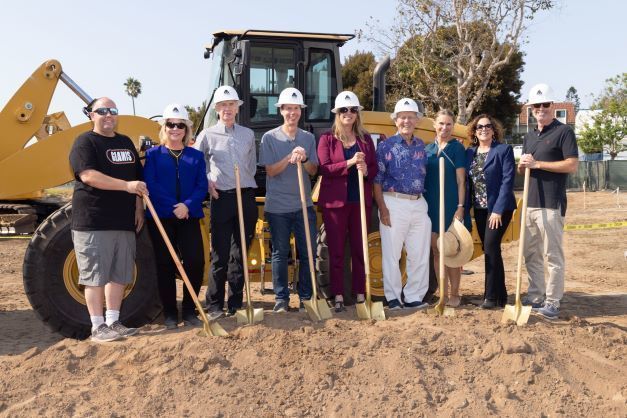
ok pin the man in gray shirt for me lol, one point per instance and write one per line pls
(224, 145)
(280, 151)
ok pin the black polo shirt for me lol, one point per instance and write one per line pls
(556, 142)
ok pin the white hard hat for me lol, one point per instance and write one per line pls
(175, 111)
(224, 93)
(290, 95)
(540, 93)
(346, 99)
(406, 105)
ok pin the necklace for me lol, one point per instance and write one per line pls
(176, 153)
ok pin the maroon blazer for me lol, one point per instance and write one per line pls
(333, 190)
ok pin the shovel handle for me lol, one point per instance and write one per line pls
(175, 257)
(521, 238)
(242, 235)
(303, 203)
(441, 229)
(364, 234)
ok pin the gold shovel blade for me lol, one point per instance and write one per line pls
(441, 309)
(212, 329)
(249, 316)
(517, 313)
(318, 310)
(374, 311)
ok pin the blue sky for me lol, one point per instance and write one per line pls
(101, 43)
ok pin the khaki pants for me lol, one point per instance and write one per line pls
(545, 229)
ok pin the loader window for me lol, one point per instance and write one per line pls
(319, 96)
(272, 69)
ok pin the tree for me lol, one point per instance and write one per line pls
(196, 114)
(501, 95)
(463, 55)
(573, 97)
(133, 88)
(357, 73)
(608, 129)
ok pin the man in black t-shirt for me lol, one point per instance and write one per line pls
(550, 151)
(107, 210)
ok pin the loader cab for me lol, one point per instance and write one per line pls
(260, 64)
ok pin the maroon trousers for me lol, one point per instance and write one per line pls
(340, 222)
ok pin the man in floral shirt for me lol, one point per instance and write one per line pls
(398, 189)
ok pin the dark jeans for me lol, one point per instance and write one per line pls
(226, 248)
(491, 241)
(186, 239)
(282, 225)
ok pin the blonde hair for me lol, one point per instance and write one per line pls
(163, 137)
(358, 129)
(445, 112)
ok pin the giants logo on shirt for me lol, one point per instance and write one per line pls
(120, 156)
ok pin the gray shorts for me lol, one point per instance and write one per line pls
(104, 256)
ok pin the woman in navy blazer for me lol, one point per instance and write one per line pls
(490, 166)
(177, 181)
(341, 152)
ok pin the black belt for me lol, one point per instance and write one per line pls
(231, 191)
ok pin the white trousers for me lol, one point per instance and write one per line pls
(543, 239)
(411, 227)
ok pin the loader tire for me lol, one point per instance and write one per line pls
(51, 280)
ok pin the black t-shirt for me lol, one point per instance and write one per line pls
(556, 142)
(96, 209)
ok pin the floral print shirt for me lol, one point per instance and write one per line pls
(402, 166)
(477, 176)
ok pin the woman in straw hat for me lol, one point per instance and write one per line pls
(491, 169)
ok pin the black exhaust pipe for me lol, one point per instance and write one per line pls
(378, 84)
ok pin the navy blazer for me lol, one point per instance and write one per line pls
(334, 171)
(499, 170)
(160, 177)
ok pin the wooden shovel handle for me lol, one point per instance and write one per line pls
(303, 203)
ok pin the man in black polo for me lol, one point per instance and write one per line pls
(550, 151)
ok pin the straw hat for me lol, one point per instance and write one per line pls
(458, 245)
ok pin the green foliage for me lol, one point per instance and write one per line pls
(133, 88)
(573, 97)
(196, 114)
(608, 129)
(357, 73)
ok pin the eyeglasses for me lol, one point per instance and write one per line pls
(539, 105)
(172, 125)
(486, 126)
(104, 110)
(343, 110)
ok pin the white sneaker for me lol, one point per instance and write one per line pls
(104, 334)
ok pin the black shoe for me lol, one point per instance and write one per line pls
(339, 306)
(231, 312)
(171, 322)
(394, 305)
(191, 319)
(488, 304)
(416, 305)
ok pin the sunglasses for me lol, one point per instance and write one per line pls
(104, 110)
(348, 109)
(172, 125)
(539, 105)
(486, 126)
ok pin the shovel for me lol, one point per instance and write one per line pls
(441, 308)
(208, 328)
(367, 309)
(248, 315)
(317, 310)
(517, 312)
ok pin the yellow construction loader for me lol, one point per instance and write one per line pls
(34, 149)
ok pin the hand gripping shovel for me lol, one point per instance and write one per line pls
(248, 315)
(441, 308)
(517, 312)
(209, 328)
(317, 310)
(367, 309)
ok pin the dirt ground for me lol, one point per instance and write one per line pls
(412, 364)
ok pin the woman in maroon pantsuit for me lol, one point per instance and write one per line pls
(341, 152)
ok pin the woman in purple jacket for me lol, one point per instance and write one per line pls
(341, 152)
(490, 166)
(177, 181)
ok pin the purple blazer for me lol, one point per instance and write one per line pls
(333, 189)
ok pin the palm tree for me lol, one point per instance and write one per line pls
(133, 89)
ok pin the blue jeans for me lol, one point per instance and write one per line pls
(281, 227)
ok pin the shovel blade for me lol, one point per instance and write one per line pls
(441, 310)
(249, 316)
(318, 310)
(362, 311)
(517, 313)
(212, 329)
(374, 311)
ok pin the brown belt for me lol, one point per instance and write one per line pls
(404, 196)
